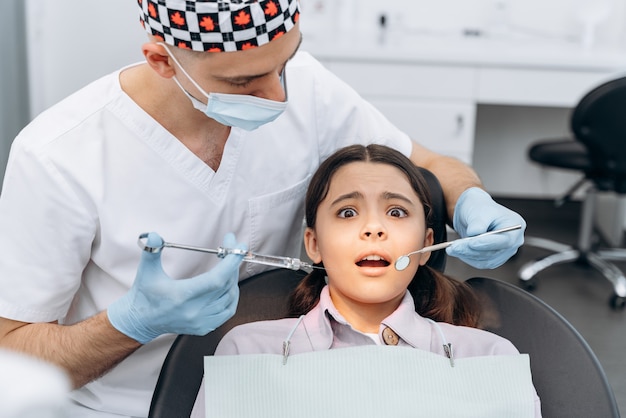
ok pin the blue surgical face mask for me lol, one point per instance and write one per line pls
(238, 110)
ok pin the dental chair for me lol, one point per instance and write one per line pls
(566, 373)
(261, 297)
(598, 151)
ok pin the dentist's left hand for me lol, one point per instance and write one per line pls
(157, 304)
(476, 213)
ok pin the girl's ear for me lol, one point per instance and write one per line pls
(311, 246)
(428, 240)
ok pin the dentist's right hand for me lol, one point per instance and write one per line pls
(157, 304)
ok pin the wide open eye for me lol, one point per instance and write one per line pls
(397, 212)
(347, 213)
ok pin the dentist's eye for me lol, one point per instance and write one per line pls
(347, 213)
(397, 212)
(242, 85)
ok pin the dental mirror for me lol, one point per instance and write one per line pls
(404, 260)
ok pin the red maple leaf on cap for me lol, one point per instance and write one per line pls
(177, 19)
(207, 23)
(278, 35)
(152, 10)
(247, 45)
(183, 45)
(242, 19)
(271, 9)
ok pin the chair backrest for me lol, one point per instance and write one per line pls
(567, 375)
(598, 122)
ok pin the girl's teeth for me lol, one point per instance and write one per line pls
(373, 258)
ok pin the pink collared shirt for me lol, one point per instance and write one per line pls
(323, 328)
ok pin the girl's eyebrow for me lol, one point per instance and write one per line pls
(391, 195)
(347, 196)
(385, 196)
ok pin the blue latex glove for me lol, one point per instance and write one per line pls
(157, 304)
(475, 213)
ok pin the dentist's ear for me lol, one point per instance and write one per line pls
(158, 59)
(311, 246)
(429, 238)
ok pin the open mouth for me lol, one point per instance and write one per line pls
(373, 261)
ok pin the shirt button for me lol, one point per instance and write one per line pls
(390, 337)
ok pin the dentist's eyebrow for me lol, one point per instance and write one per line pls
(242, 79)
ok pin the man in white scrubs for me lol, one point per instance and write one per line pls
(217, 132)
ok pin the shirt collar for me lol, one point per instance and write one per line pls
(412, 328)
(327, 328)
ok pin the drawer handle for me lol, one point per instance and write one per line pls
(460, 124)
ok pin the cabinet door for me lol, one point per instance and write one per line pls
(433, 104)
(446, 127)
(407, 81)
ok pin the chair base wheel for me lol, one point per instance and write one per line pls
(617, 302)
(528, 285)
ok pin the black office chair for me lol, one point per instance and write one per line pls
(261, 297)
(567, 375)
(598, 150)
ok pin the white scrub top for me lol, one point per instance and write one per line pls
(93, 172)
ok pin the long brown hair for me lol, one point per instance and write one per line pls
(436, 295)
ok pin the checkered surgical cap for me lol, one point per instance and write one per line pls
(218, 25)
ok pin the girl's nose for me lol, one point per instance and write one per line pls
(374, 228)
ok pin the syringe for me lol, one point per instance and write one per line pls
(249, 257)
(277, 261)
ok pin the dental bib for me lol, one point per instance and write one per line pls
(368, 381)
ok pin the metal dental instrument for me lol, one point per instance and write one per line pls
(403, 261)
(221, 252)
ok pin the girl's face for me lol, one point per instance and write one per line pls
(370, 217)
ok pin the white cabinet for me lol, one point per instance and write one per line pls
(437, 91)
(433, 104)
(444, 127)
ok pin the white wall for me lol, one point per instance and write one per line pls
(557, 19)
(13, 81)
(73, 42)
